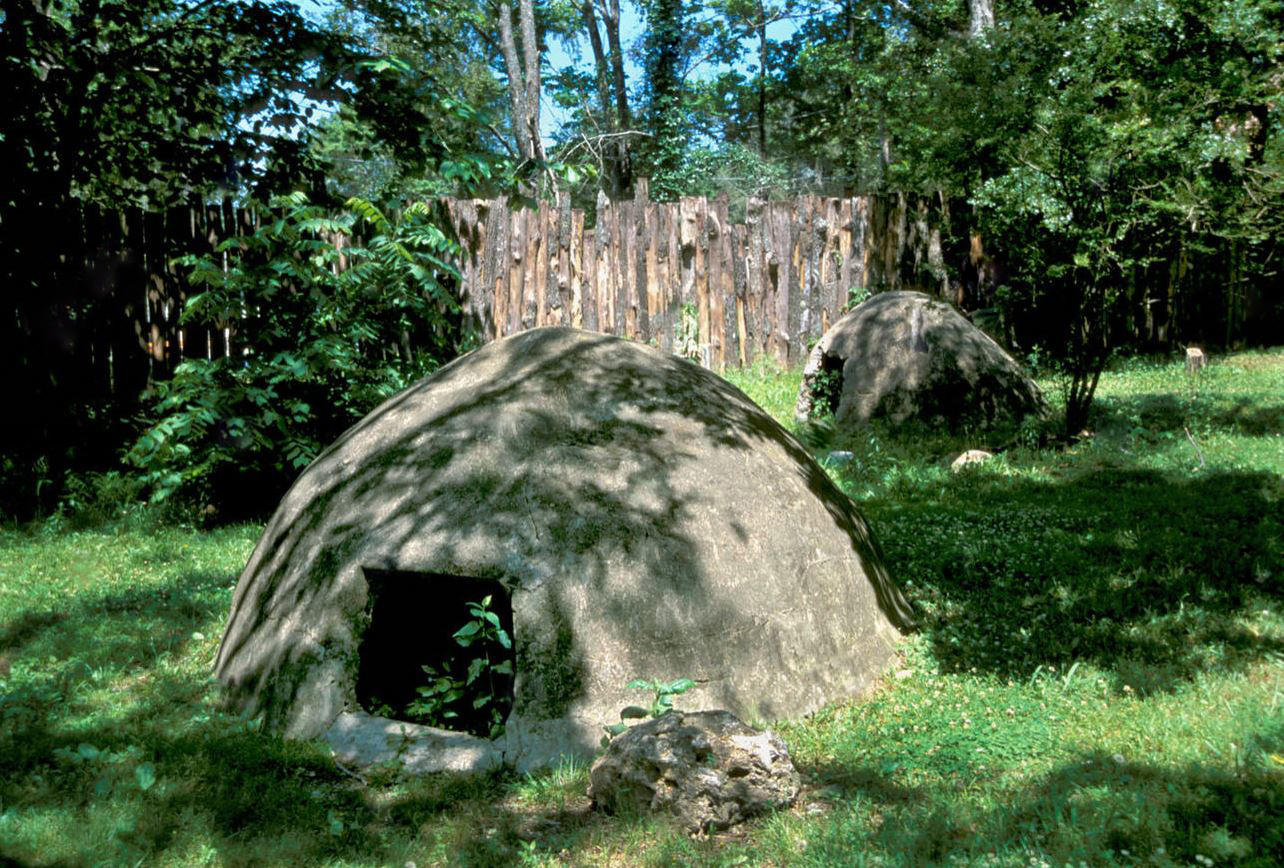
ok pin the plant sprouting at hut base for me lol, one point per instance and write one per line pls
(661, 703)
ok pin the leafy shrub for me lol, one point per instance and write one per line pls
(855, 295)
(93, 499)
(733, 169)
(826, 390)
(322, 327)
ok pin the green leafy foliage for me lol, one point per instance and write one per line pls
(1120, 140)
(731, 169)
(324, 326)
(476, 687)
(143, 101)
(115, 104)
(113, 770)
(662, 693)
(826, 390)
(669, 42)
(855, 295)
(421, 122)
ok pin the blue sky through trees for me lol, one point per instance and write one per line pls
(563, 54)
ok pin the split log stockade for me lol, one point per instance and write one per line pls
(768, 286)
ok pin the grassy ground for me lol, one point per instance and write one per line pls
(1098, 678)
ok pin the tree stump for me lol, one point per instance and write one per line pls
(1195, 360)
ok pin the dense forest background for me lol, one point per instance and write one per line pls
(1113, 170)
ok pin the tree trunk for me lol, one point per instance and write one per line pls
(530, 52)
(516, 81)
(982, 17)
(623, 116)
(523, 81)
(762, 79)
(599, 59)
(612, 95)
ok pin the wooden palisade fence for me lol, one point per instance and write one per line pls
(763, 287)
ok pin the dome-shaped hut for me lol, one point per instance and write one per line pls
(904, 357)
(629, 514)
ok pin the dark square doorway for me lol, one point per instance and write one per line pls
(413, 621)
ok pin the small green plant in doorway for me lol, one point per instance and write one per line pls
(471, 688)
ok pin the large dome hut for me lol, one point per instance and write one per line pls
(629, 515)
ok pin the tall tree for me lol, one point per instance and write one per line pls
(440, 98)
(523, 78)
(613, 93)
(760, 28)
(739, 35)
(1141, 148)
(667, 46)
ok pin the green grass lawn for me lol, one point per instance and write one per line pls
(1098, 677)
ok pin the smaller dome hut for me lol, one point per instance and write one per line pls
(906, 358)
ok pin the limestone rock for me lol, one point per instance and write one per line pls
(969, 458)
(707, 768)
(630, 512)
(904, 357)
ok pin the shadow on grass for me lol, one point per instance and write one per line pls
(251, 796)
(1145, 575)
(27, 626)
(98, 635)
(1168, 412)
(1092, 809)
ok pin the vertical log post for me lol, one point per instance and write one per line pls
(711, 316)
(564, 307)
(577, 269)
(640, 236)
(755, 229)
(726, 289)
(740, 241)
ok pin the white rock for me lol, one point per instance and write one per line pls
(970, 457)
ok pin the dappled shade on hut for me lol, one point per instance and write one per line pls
(644, 518)
(904, 358)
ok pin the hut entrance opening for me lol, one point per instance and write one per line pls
(435, 651)
(827, 388)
